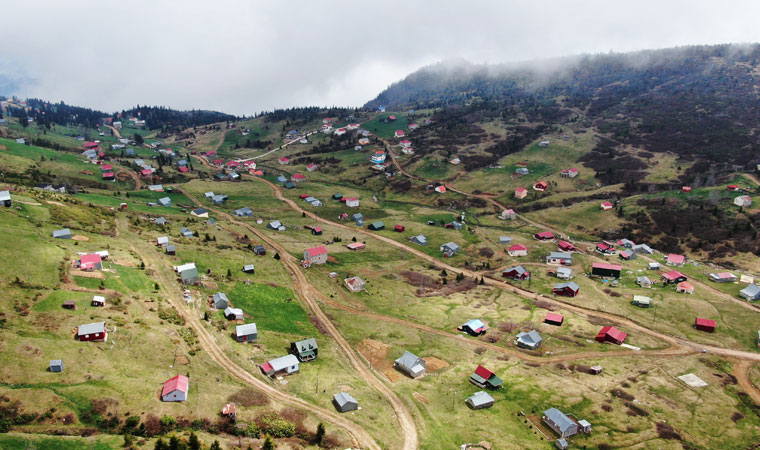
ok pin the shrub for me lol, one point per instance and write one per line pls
(274, 425)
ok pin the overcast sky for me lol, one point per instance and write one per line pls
(247, 56)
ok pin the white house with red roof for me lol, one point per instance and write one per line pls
(518, 250)
(283, 160)
(298, 177)
(340, 131)
(569, 173)
(405, 143)
(251, 164)
(90, 262)
(399, 133)
(606, 206)
(352, 202)
(675, 260)
(540, 186)
(352, 126)
(413, 126)
(378, 157)
(312, 167)
(316, 255)
(326, 120)
(175, 389)
(521, 192)
(440, 189)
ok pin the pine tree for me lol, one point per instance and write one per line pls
(268, 444)
(320, 433)
(277, 256)
(160, 445)
(193, 443)
(215, 446)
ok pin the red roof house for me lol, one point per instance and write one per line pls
(604, 247)
(283, 160)
(566, 246)
(108, 176)
(685, 287)
(399, 133)
(674, 276)
(297, 177)
(611, 334)
(218, 162)
(303, 196)
(733, 187)
(554, 319)
(606, 205)
(233, 164)
(544, 236)
(540, 186)
(518, 250)
(704, 324)
(356, 246)
(146, 172)
(675, 260)
(90, 262)
(399, 228)
(184, 169)
(175, 389)
(106, 168)
(91, 145)
(686, 189)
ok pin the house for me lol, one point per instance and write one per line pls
(484, 378)
(283, 160)
(410, 364)
(98, 300)
(606, 270)
(641, 301)
(530, 340)
(455, 161)
(95, 332)
(653, 266)
(233, 313)
(161, 221)
(354, 284)
(175, 389)
(90, 262)
(675, 260)
(686, 189)
(284, 365)
(561, 444)
(743, 201)
(505, 240)
(62, 234)
(249, 268)
(625, 243)
(541, 186)
(378, 157)
(560, 423)
(344, 402)
(733, 187)
(221, 301)
(685, 287)
(420, 239)
(521, 192)
(522, 171)
(186, 232)
(704, 324)
(508, 214)
(543, 144)
(352, 202)
(356, 246)
(200, 212)
(399, 134)
(611, 334)
(259, 250)
(190, 276)
(642, 249)
(554, 319)
(440, 189)
(244, 212)
(566, 246)
(627, 255)
(454, 225)
(605, 248)
(516, 273)
(56, 365)
(517, 250)
(297, 178)
(644, 282)
(312, 167)
(316, 255)
(229, 411)
(376, 226)
(399, 228)
(305, 350)
(479, 400)
(171, 250)
(449, 249)
(751, 292)
(219, 199)
(108, 176)
(316, 231)
(69, 304)
(564, 273)
(544, 236)
(474, 327)
(165, 201)
(674, 276)
(281, 179)
(276, 225)
(561, 258)
(723, 277)
(246, 333)
(569, 289)
(569, 173)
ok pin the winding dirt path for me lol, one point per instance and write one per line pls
(115, 131)
(207, 341)
(133, 175)
(741, 372)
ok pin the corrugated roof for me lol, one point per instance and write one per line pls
(91, 328)
(245, 330)
(178, 383)
(559, 419)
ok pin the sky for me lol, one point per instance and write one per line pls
(243, 57)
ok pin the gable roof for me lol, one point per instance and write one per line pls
(306, 345)
(245, 330)
(559, 418)
(613, 333)
(676, 259)
(408, 360)
(554, 317)
(282, 362)
(530, 337)
(314, 251)
(475, 325)
(598, 265)
(91, 328)
(673, 275)
(178, 383)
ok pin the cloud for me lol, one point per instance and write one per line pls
(244, 56)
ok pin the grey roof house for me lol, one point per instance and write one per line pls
(165, 201)
(56, 365)
(233, 313)
(419, 239)
(62, 234)
(186, 232)
(449, 249)
(410, 364)
(479, 400)
(530, 340)
(305, 350)
(246, 333)
(344, 402)
(560, 423)
(190, 276)
(244, 212)
(221, 301)
(505, 240)
(751, 292)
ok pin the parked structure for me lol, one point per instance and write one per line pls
(606, 270)
(233, 313)
(561, 258)
(355, 284)
(56, 365)
(516, 273)
(560, 423)
(221, 301)
(95, 332)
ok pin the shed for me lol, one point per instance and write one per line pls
(723, 277)
(515, 273)
(561, 444)
(449, 249)
(611, 334)
(233, 313)
(644, 281)
(165, 201)
(561, 258)
(399, 228)
(356, 246)
(564, 273)
(641, 301)
(653, 266)
(569, 289)
(5, 198)
(221, 301)
(484, 378)
(642, 249)
(344, 402)
(530, 340)
(244, 212)
(160, 221)
(376, 226)
(92, 332)
(171, 250)
(162, 241)
(62, 234)
(560, 423)
(190, 276)
(276, 225)
(479, 400)
(249, 268)
(554, 319)
(305, 350)
(474, 327)
(505, 240)
(685, 287)
(704, 324)
(284, 365)
(176, 389)
(410, 364)
(69, 304)
(595, 370)
(355, 284)
(56, 365)
(606, 270)
(246, 333)
(751, 292)
(98, 300)
(420, 239)
(259, 250)
(186, 232)
(544, 236)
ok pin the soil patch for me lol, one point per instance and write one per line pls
(376, 353)
(85, 274)
(51, 202)
(345, 388)
(125, 263)
(420, 398)
(210, 284)
(433, 364)
(77, 237)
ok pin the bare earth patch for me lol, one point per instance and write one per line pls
(52, 202)
(85, 274)
(77, 237)
(420, 398)
(345, 388)
(376, 353)
(125, 263)
(433, 364)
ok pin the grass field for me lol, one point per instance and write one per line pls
(384, 129)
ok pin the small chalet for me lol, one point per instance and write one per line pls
(674, 276)
(316, 231)
(544, 236)
(686, 189)
(751, 292)
(344, 402)
(611, 334)
(564, 273)
(704, 324)
(376, 226)
(62, 234)
(399, 228)
(95, 332)
(733, 187)
(505, 240)
(5, 199)
(259, 250)
(244, 212)
(449, 249)
(276, 225)
(246, 333)
(743, 201)
(723, 277)
(352, 202)
(606, 270)
(541, 186)
(284, 365)
(171, 250)
(249, 268)
(229, 411)
(190, 276)
(675, 260)
(312, 167)
(440, 189)
(399, 134)
(605, 248)
(517, 250)
(554, 319)
(175, 389)
(508, 214)
(606, 206)
(516, 273)
(233, 313)
(90, 262)
(561, 258)
(484, 378)
(530, 340)
(419, 239)
(685, 287)
(305, 350)
(410, 364)
(98, 300)
(479, 400)
(297, 178)
(566, 246)
(283, 160)
(521, 192)
(186, 232)
(355, 284)
(221, 301)
(627, 255)
(316, 255)
(474, 327)
(56, 365)
(653, 266)
(641, 301)
(625, 243)
(644, 281)
(569, 173)
(569, 289)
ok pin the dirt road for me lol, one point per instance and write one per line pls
(133, 175)
(173, 294)
(741, 372)
(116, 133)
(308, 294)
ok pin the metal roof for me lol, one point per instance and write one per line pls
(479, 398)
(283, 362)
(245, 330)
(530, 338)
(559, 419)
(91, 328)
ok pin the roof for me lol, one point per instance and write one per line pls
(705, 322)
(480, 398)
(342, 398)
(189, 274)
(597, 265)
(178, 383)
(475, 324)
(685, 286)
(613, 333)
(560, 255)
(184, 267)
(570, 285)
(676, 259)
(200, 211)
(673, 275)
(63, 232)
(483, 372)
(314, 251)
(306, 345)
(519, 269)
(354, 282)
(92, 258)
(546, 234)
(559, 419)
(245, 330)
(91, 328)
(530, 337)
(407, 360)
(751, 290)
(517, 247)
(554, 317)
(451, 246)
(283, 362)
